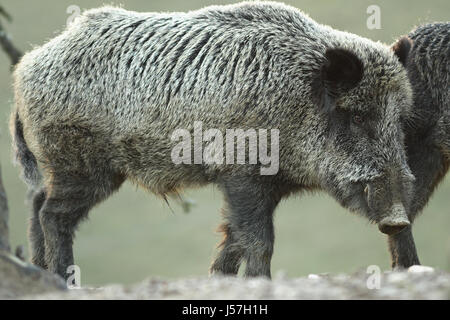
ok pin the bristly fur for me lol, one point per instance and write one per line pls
(99, 103)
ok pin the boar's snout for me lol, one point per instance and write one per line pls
(388, 198)
(396, 221)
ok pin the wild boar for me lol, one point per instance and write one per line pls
(100, 103)
(427, 129)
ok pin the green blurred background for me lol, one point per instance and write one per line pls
(134, 235)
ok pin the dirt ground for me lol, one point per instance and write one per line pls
(415, 283)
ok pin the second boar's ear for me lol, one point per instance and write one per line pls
(341, 71)
(401, 49)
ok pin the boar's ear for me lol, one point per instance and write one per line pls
(341, 71)
(401, 49)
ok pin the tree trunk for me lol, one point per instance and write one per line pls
(4, 231)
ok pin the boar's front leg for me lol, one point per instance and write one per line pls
(249, 234)
(403, 250)
(429, 166)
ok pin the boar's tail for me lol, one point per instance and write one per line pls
(24, 156)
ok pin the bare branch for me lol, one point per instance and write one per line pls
(5, 14)
(13, 53)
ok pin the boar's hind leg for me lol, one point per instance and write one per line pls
(249, 233)
(36, 236)
(230, 257)
(69, 201)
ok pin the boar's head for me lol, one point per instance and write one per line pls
(363, 96)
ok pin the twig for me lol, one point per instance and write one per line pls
(13, 53)
(5, 14)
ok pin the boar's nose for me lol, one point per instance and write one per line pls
(395, 222)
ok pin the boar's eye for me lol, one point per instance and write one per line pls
(357, 119)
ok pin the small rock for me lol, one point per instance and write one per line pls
(281, 275)
(420, 269)
(397, 277)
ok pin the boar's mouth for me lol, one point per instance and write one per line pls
(355, 199)
(390, 216)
